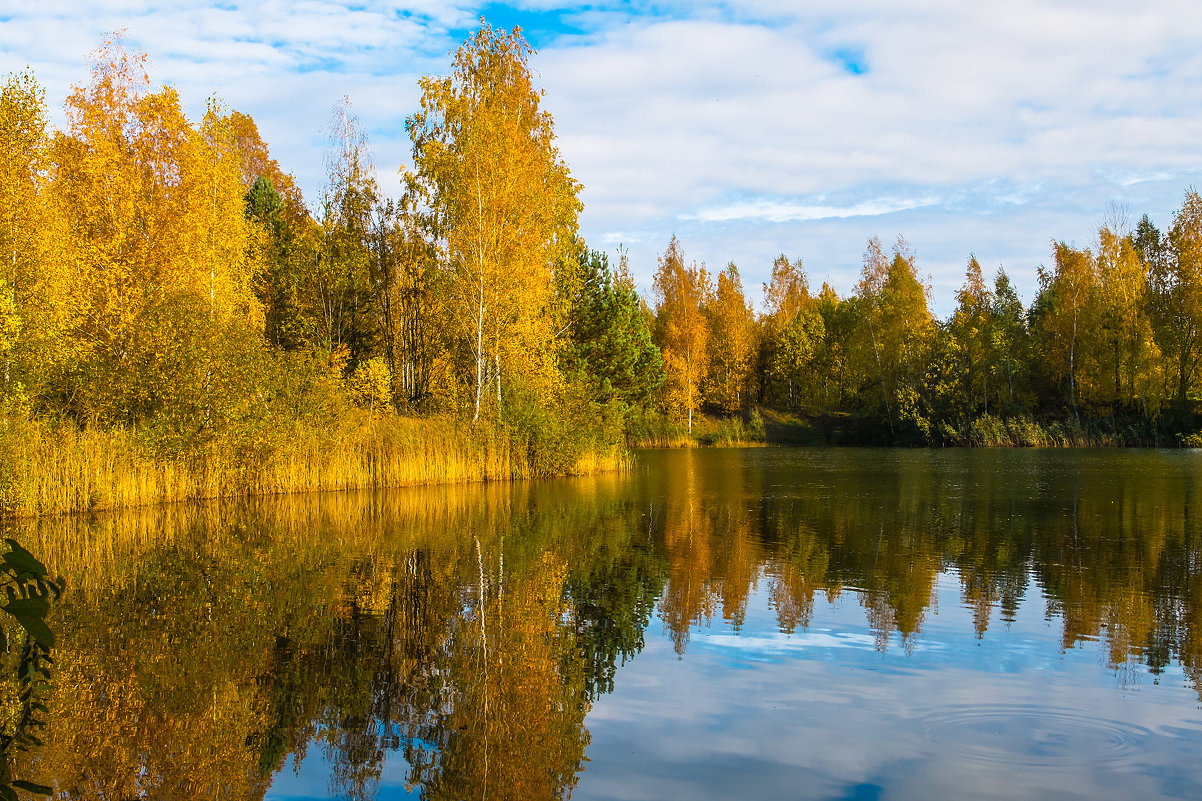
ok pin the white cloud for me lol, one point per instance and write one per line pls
(739, 127)
(665, 121)
(764, 646)
(778, 212)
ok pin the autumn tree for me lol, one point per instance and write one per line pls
(286, 239)
(681, 328)
(159, 240)
(1063, 315)
(256, 162)
(1131, 355)
(502, 207)
(348, 327)
(874, 270)
(792, 334)
(897, 331)
(971, 329)
(732, 348)
(908, 332)
(832, 361)
(36, 291)
(1176, 296)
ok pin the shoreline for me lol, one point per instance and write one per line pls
(56, 468)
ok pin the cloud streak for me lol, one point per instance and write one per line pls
(779, 212)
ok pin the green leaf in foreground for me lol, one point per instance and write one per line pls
(22, 560)
(30, 787)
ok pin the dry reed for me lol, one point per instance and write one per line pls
(51, 468)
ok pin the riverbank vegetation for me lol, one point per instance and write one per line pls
(178, 321)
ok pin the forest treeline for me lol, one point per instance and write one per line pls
(173, 309)
(1107, 352)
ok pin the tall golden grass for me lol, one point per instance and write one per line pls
(52, 468)
(723, 432)
(988, 431)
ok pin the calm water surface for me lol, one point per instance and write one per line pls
(811, 624)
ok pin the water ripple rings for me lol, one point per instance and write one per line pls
(1031, 735)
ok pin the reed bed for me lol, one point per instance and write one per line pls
(665, 441)
(53, 467)
(721, 432)
(1023, 432)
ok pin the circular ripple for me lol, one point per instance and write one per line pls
(1031, 735)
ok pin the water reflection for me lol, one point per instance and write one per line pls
(467, 632)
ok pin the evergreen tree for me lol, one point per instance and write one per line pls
(611, 334)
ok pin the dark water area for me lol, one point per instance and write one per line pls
(763, 623)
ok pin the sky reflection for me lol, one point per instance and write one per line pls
(824, 714)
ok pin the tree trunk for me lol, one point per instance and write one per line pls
(479, 349)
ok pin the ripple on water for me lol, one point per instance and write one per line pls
(1031, 735)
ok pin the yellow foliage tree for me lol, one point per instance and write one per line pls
(1177, 297)
(733, 331)
(791, 337)
(1131, 350)
(898, 328)
(36, 306)
(1065, 315)
(502, 206)
(681, 328)
(159, 238)
(972, 334)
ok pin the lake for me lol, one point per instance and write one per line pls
(715, 624)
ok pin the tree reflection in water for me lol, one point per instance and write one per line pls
(469, 629)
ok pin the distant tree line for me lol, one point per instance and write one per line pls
(1110, 341)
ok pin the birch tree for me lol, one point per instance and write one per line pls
(347, 324)
(1064, 316)
(35, 282)
(972, 332)
(732, 329)
(898, 329)
(159, 244)
(502, 206)
(789, 317)
(1131, 353)
(1176, 279)
(681, 327)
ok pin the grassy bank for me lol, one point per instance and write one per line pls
(55, 467)
(664, 431)
(770, 427)
(1024, 432)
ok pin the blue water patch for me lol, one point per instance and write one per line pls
(863, 792)
(307, 778)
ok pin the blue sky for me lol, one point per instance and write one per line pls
(746, 129)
